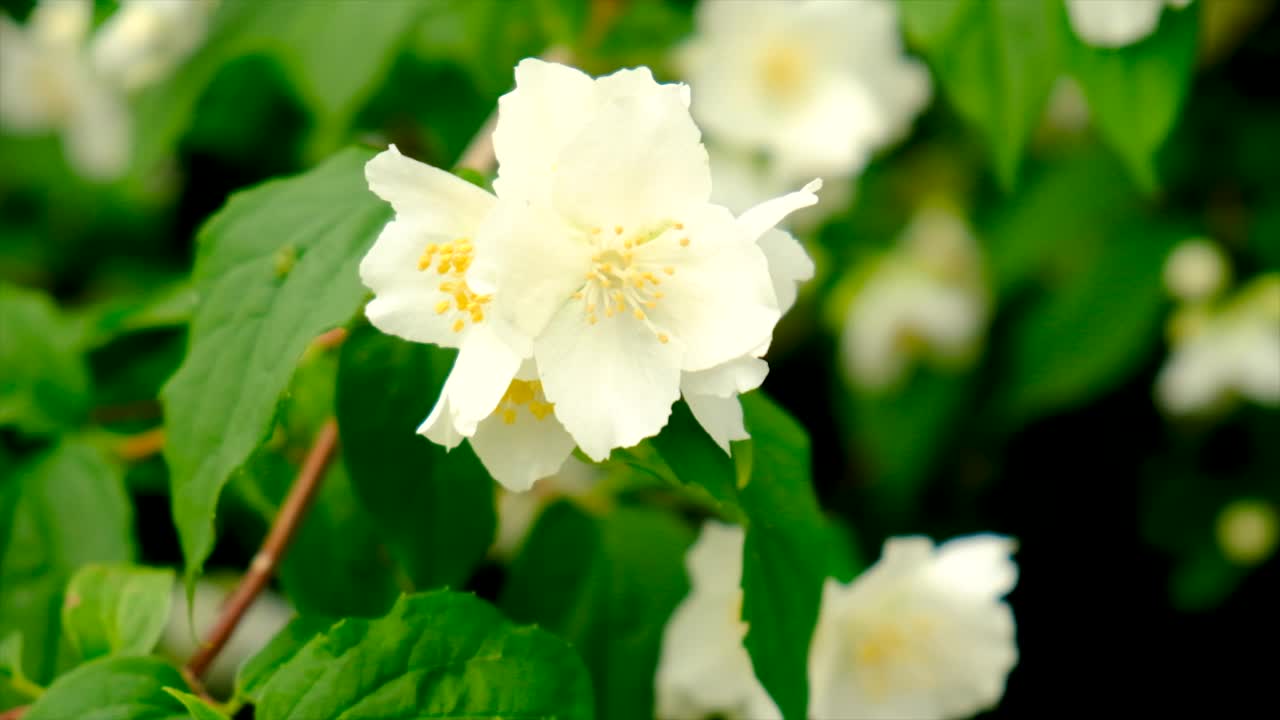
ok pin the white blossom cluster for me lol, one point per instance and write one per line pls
(596, 286)
(1117, 23)
(922, 634)
(58, 74)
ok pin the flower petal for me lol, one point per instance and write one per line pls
(739, 375)
(481, 374)
(721, 417)
(789, 265)
(547, 108)
(99, 133)
(764, 216)
(62, 25)
(406, 298)
(719, 300)
(638, 161)
(441, 202)
(980, 566)
(612, 383)
(520, 453)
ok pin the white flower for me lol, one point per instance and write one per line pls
(820, 86)
(1116, 23)
(145, 40)
(55, 77)
(922, 634)
(927, 298)
(605, 258)
(704, 669)
(1196, 270)
(1225, 353)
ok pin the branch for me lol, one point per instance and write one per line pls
(14, 713)
(268, 558)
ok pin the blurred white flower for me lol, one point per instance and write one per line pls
(604, 256)
(268, 614)
(819, 86)
(55, 77)
(1248, 531)
(1116, 23)
(704, 669)
(926, 299)
(922, 634)
(145, 40)
(1196, 270)
(1223, 353)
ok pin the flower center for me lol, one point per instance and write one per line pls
(527, 394)
(621, 281)
(891, 656)
(450, 261)
(784, 71)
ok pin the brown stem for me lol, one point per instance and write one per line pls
(13, 713)
(268, 558)
(141, 446)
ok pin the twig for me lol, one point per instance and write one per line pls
(13, 713)
(268, 558)
(141, 446)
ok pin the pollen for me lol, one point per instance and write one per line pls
(664, 338)
(617, 230)
(669, 270)
(621, 280)
(639, 314)
(450, 260)
(523, 394)
(678, 226)
(684, 242)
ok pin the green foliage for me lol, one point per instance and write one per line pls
(1135, 92)
(438, 654)
(258, 670)
(996, 60)
(434, 507)
(785, 560)
(606, 583)
(255, 317)
(44, 385)
(116, 609)
(199, 709)
(70, 510)
(123, 688)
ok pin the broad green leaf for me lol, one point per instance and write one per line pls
(13, 680)
(928, 23)
(434, 508)
(785, 560)
(608, 585)
(275, 267)
(71, 510)
(1135, 92)
(199, 709)
(258, 670)
(124, 688)
(439, 654)
(335, 53)
(767, 486)
(1092, 329)
(997, 60)
(116, 609)
(44, 385)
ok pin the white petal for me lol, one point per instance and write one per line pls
(714, 561)
(721, 417)
(439, 427)
(1114, 23)
(406, 298)
(99, 134)
(480, 376)
(977, 565)
(22, 105)
(441, 202)
(639, 161)
(739, 375)
(61, 24)
(547, 108)
(531, 262)
(719, 302)
(613, 383)
(789, 265)
(763, 217)
(522, 452)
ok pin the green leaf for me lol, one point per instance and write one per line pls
(258, 670)
(123, 688)
(275, 267)
(785, 561)
(304, 37)
(11, 673)
(996, 60)
(439, 654)
(1135, 92)
(928, 23)
(117, 609)
(608, 585)
(1092, 329)
(434, 508)
(44, 384)
(71, 510)
(199, 709)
